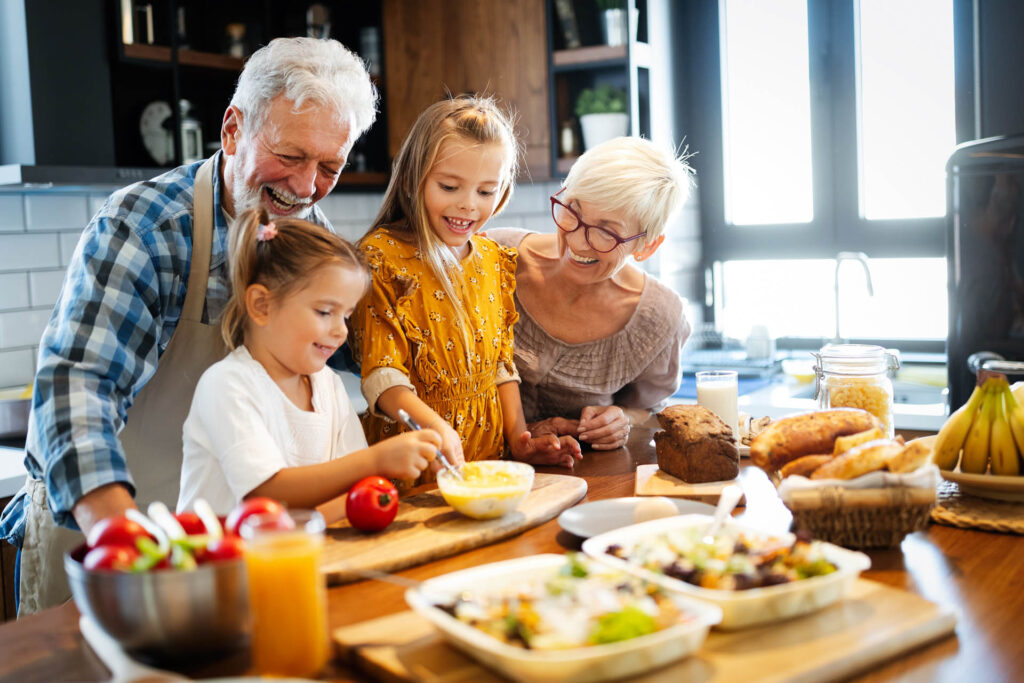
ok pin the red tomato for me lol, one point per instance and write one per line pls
(224, 548)
(110, 557)
(249, 507)
(191, 523)
(371, 504)
(116, 531)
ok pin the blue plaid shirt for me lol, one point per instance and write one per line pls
(121, 301)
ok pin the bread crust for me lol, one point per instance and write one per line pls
(868, 457)
(804, 465)
(911, 457)
(809, 433)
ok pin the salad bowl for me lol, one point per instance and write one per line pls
(658, 542)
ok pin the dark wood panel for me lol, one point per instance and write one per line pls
(437, 47)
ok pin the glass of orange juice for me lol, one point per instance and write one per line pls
(287, 593)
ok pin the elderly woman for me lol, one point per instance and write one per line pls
(597, 343)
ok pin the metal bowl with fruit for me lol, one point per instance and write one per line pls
(488, 488)
(166, 587)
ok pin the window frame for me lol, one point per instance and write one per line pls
(837, 224)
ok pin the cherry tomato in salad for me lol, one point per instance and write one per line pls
(249, 507)
(117, 531)
(111, 557)
(372, 504)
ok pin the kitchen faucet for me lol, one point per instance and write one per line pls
(856, 256)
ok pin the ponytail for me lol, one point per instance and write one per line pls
(280, 255)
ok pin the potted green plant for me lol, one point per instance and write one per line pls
(602, 114)
(613, 20)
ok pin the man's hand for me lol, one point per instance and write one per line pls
(111, 500)
(548, 449)
(604, 427)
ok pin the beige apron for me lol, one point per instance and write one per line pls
(152, 434)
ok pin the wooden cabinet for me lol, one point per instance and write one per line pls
(436, 47)
(641, 66)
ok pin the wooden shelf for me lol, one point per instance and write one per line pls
(152, 53)
(162, 54)
(210, 60)
(582, 56)
(565, 163)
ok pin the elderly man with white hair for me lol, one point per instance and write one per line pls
(134, 328)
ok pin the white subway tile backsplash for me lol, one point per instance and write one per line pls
(68, 242)
(13, 291)
(12, 213)
(26, 252)
(17, 367)
(22, 328)
(56, 211)
(45, 286)
(96, 202)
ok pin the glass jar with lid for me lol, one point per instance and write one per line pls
(857, 376)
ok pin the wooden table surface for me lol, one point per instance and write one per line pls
(976, 573)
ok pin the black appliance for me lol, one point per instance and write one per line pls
(985, 258)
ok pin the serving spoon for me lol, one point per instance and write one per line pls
(728, 499)
(407, 420)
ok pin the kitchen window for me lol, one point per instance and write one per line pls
(825, 129)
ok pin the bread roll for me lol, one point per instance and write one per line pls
(865, 458)
(810, 433)
(804, 465)
(913, 455)
(845, 443)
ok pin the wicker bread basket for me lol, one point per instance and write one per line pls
(860, 518)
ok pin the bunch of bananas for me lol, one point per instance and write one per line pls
(988, 430)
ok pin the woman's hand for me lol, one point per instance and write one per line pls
(451, 445)
(546, 449)
(604, 427)
(406, 455)
(558, 426)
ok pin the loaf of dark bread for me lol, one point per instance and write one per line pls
(696, 446)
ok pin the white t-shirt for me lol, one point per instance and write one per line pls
(241, 430)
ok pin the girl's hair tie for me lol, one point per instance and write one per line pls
(266, 232)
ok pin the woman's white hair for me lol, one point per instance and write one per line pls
(306, 71)
(645, 181)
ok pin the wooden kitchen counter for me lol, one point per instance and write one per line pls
(975, 573)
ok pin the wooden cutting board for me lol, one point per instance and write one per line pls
(651, 481)
(426, 529)
(872, 625)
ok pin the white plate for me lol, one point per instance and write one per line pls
(623, 659)
(744, 608)
(987, 485)
(591, 519)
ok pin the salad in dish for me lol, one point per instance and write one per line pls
(731, 561)
(583, 604)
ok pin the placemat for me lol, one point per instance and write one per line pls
(955, 508)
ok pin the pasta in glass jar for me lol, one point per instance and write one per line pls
(857, 376)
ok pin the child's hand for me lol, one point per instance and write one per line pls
(406, 455)
(547, 449)
(604, 427)
(559, 426)
(451, 445)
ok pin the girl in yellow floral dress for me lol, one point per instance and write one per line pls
(434, 334)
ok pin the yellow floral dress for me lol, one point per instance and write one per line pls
(406, 331)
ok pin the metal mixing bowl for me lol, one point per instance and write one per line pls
(166, 615)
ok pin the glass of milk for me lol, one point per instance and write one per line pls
(717, 391)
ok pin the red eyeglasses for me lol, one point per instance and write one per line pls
(599, 239)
